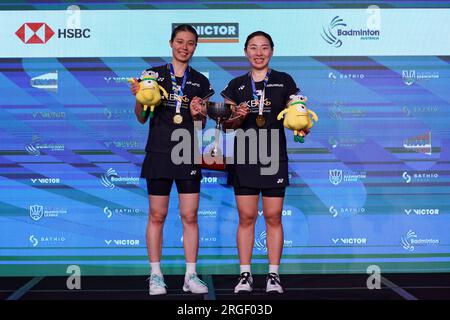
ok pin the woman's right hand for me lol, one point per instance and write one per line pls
(241, 111)
(135, 87)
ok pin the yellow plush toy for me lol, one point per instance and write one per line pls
(148, 94)
(297, 117)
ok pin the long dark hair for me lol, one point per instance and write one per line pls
(259, 33)
(184, 27)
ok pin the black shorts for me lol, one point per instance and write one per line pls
(266, 192)
(162, 187)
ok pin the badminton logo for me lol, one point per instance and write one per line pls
(261, 242)
(107, 178)
(328, 34)
(408, 239)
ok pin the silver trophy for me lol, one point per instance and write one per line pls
(219, 112)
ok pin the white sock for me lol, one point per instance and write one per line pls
(190, 268)
(155, 268)
(273, 268)
(245, 268)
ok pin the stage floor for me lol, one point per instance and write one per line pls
(298, 287)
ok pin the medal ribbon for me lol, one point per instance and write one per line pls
(255, 96)
(178, 93)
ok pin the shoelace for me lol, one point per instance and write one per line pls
(273, 278)
(244, 278)
(157, 280)
(196, 279)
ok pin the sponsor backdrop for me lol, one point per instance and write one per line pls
(369, 186)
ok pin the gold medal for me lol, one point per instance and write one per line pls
(260, 121)
(177, 119)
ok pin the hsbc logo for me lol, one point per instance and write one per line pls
(35, 33)
(41, 33)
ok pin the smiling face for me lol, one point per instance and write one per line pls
(183, 46)
(259, 52)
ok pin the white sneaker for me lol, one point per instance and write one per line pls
(193, 284)
(245, 283)
(273, 283)
(156, 285)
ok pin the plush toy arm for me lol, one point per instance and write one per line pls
(164, 92)
(281, 114)
(313, 114)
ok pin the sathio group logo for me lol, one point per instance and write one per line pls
(346, 211)
(45, 240)
(223, 32)
(41, 33)
(337, 29)
(124, 211)
(419, 177)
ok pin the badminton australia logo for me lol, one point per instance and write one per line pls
(410, 240)
(260, 242)
(107, 177)
(337, 29)
(329, 34)
(215, 32)
(110, 179)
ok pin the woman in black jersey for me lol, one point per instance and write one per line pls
(260, 95)
(187, 88)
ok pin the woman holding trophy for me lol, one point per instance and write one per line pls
(259, 96)
(187, 89)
